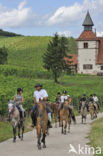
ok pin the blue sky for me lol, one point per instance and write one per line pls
(45, 17)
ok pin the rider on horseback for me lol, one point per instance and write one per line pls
(58, 98)
(96, 100)
(64, 98)
(39, 95)
(18, 100)
(83, 99)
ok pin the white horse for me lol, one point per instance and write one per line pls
(15, 120)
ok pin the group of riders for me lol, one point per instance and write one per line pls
(41, 94)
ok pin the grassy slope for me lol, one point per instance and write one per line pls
(28, 51)
(96, 134)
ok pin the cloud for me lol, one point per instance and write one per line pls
(16, 17)
(67, 15)
(65, 33)
(100, 34)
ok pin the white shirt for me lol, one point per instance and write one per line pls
(63, 98)
(95, 98)
(40, 94)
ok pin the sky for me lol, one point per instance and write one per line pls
(46, 17)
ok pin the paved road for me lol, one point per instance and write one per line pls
(57, 144)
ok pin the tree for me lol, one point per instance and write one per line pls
(3, 55)
(54, 57)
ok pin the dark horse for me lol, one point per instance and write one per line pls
(41, 125)
(15, 121)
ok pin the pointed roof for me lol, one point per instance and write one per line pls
(88, 20)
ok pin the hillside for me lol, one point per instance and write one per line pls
(27, 51)
(8, 34)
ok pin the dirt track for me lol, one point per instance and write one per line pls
(57, 144)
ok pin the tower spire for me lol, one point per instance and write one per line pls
(88, 23)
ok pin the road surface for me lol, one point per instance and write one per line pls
(57, 143)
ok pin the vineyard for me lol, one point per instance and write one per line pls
(28, 51)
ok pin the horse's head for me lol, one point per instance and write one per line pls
(10, 107)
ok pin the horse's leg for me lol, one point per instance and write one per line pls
(19, 131)
(43, 140)
(22, 131)
(14, 132)
(82, 119)
(62, 128)
(39, 137)
(55, 120)
(65, 126)
(69, 122)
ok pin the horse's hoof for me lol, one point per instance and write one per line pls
(14, 141)
(39, 147)
(21, 138)
(44, 146)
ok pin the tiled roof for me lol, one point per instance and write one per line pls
(87, 35)
(100, 52)
(71, 59)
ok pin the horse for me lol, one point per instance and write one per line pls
(83, 111)
(96, 107)
(41, 125)
(91, 110)
(65, 116)
(16, 121)
(54, 106)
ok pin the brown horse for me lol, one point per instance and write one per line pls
(91, 110)
(54, 106)
(41, 126)
(65, 116)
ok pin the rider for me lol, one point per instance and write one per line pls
(64, 98)
(83, 99)
(91, 98)
(18, 100)
(58, 98)
(95, 98)
(40, 94)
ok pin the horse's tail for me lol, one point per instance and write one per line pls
(72, 115)
(74, 118)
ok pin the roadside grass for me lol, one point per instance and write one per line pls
(96, 135)
(6, 129)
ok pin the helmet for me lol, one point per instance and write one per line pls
(38, 85)
(68, 96)
(19, 89)
(83, 94)
(64, 91)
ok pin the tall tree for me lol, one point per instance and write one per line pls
(54, 57)
(3, 55)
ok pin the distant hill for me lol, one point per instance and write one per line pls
(27, 51)
(8, 34)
